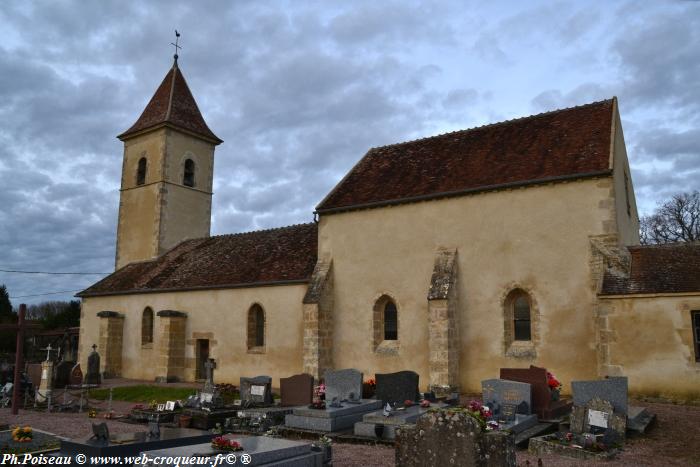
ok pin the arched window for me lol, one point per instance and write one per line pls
(147, 326)
(141, 172)
(391, 324)
(188, 178)
(256, 327)
(521, 318)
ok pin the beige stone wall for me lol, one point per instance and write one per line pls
(162, 212)
(626, 214)
(217, 315)
(534, 238)
(650, 340)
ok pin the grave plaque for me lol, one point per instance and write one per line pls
(500, 393)
(508, 412)
(341, 383)
(395, 388)
(297, 390)
(257, 390)
(598, 418)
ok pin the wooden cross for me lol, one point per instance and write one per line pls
(175, 44)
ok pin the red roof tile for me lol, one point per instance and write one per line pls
(673, 268)
(172, 103)
(565, 143)
(286, 254)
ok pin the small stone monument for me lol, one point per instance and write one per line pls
(93, 371)
(45, 386)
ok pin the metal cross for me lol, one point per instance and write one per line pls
(177, 39)
(48, 352)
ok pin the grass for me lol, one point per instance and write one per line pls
(142, 393)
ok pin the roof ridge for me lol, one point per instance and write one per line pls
(695, 243)
(495, 124)
(234, 234)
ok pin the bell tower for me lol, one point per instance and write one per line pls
(167, 174)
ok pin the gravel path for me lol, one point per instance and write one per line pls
(674, 441)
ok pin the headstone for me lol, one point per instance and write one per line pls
(509, 396)
(100, 431)
(598, 416)
(34, 374)
(62, 374)
(257, 390)
(395, 388)
(612, 389)
(297, 390)
(76, 375)
(93, 371)
(542, 402)
(209, 385)
(451, 437)
(343, 383)
(44, 391)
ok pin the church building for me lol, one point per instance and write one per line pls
(505, 245)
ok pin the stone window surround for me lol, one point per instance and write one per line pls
(142, 170)
(379, 345)
(250, 330)
(513, 348)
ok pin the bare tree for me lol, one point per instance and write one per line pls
(676, 220)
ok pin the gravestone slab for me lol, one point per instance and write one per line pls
(93, 372)
(542, 402)
(331, 418)
(395, 388)
(257, 390)
(597, 417)
(297, 390)
(376, 425)
(62, 374)
(76, 375)
(612, 389)
(257, 451)
(343, 384)
(507, 397)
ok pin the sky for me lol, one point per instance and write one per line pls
(299, 91)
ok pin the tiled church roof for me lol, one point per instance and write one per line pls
(673, 268)
(172, 103)
(568, 143)
(265, 257)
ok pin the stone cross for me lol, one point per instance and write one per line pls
(209, 366)
(48, 352)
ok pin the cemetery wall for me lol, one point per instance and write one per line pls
(652, 343)
(535, 238)
(217, 315)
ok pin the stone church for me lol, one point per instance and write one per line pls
(505, 245)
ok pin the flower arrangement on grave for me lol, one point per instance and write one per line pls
(325, 441)
(153, 405)
(480, 412)
(318, 404)
(22, 434)
(554, 386)
(408, 403)
(92, 413)
(425, 403)
(109, 415)
(369, 387)
(222, 444)
(320, 391)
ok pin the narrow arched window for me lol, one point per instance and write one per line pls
(141, 171)
(391, 328)
(188, 177)
(521, 317)
(147, 326)
(256, 327)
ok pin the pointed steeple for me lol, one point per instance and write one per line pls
(172, 105)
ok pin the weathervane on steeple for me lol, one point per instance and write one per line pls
(177, 39)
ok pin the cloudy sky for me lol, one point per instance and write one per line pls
(300, 90)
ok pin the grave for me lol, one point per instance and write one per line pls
(297, 390)
(597, 431)
(343, 407)
(207, 408)
(76, 376)
(34, 374)
(93, 376)
(42, 442)
(256, 391)
(131, 444)
(452, 437)
(257, 451)
(396, 388)
(377, 425)
(62, 374)
(542, 403)
(511, 404)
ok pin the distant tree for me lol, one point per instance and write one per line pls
(56, 314)
(6, 313)
(676, 220)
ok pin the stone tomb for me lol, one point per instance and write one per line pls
(395, 388)
(131, 444)
(62, 374)
(511, 403)
(343, 385)
(542, 403)
(257, 451)
(376, 425)
(297, 390)
(256, 391)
